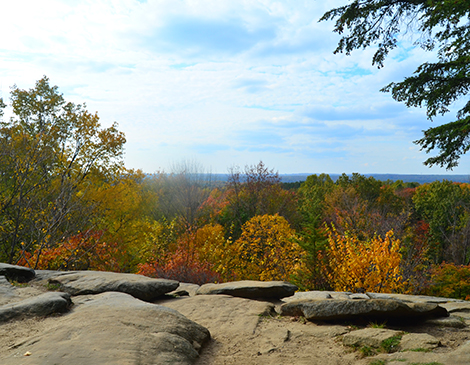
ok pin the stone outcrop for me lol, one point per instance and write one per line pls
(40, 306)
(109, 318)
(114, 328)
(16, 273)
(96, 282)
(372, 337)
(373, 309)
(250, 289)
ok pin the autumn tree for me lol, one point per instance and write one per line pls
(445, 206)
(266, 250)
(51, 153)
(435, 85)
(371, 265)
(255, 191)
(365, 207)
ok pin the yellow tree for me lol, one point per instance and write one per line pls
(372, 265)
(51, 153)
(266, 250)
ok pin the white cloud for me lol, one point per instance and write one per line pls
(224, 82)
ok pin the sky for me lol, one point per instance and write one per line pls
(223, 83)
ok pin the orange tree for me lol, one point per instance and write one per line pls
(83, 251)
(266, 250)
(195, 257)
(372, 265)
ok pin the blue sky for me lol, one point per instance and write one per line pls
(221, 82)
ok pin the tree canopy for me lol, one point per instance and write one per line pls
(441, 24)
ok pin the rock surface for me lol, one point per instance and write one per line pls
(114, 328)
(372, 309)
(418, 341)
(16, 273)
(117, 328)
(39, 306)
(372, 337)
(95, 282)
(251, 289)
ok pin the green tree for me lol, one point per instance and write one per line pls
(435, 85)
(445, 206)
(52, 152)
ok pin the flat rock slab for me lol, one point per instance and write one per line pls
(17, 273)
(96, 282)
(113, 328)
(222, 313)
(251, 289)
(373, 337)
(381, 309)
(418, 341)
(39, 306)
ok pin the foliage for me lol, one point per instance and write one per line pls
(191, 259)
(445, 206)
(52, 153)
(450, 281)
(372, 265)
(83, 251)
(434, 85)
(266, 250)
(257, 191)
(312, 237)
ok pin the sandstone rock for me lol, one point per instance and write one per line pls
(222, 313)
(17, 273)
(7, 290)
(40, 306)
(381, 309)
(460, 356)
(308, 295)
(418, 341)
(95, 282)
(251, 289)
(113, 328)
(185, 289)
(451, 322)
(373, 337)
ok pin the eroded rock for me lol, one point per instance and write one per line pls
(380, 309)
(251, 289)
(17, 273)
(372, 337)
(418, 341)
(39, 306)
(114, 328)
(96, 282)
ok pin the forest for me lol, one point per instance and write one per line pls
(67, 202)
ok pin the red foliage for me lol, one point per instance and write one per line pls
(83, 251)
(183, 264)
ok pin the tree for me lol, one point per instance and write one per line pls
(445, 206)
(52, 152)
(266, 250)
(435, 85)
(256, 191)
(372, 265)
(181, 193)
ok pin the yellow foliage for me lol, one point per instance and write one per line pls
(372, 265)
(266, 250)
